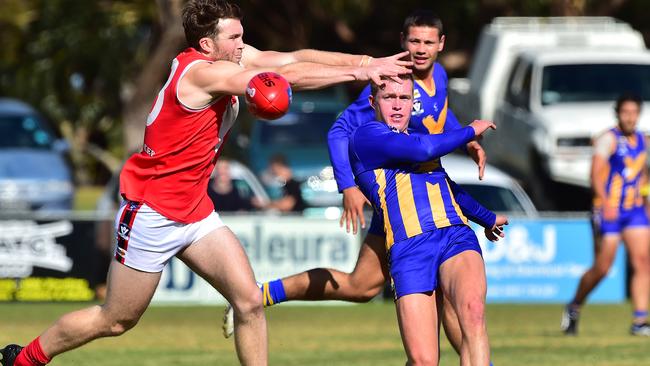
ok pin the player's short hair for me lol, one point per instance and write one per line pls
(278, 159)
(200, 18)
(375, 88)
(422, 18)
(628, 97)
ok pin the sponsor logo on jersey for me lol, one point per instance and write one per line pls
(416, 93)
(123, 231)
(147, 150)
(417, 108)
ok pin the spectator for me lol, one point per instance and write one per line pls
(291, 200)
(223, 193)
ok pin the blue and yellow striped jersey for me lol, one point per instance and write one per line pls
(430, 115)
(410, 195)
(625, 168)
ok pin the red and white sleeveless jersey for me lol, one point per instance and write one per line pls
(181, 146)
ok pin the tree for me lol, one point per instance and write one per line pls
(143, 91)
(94, 67)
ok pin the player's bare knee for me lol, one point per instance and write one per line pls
(370, 293)
(640, 264)
(249, 304)
(121, 326)
(473, 313)
(364, 289)
(117, 324)
(423, 358)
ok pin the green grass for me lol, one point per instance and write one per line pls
(346, 335)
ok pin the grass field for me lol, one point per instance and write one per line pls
(339, 335)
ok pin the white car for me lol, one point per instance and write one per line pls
(498, 192)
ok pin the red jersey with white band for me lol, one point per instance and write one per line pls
(181, 146)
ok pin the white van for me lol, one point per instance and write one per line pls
(550, 85)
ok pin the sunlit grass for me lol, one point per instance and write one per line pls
(339, 335)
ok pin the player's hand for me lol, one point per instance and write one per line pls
(396, 59)
(496, 232)
(476, 152)
(480, 126)
(610, 213)
(390, 67)
(353, 202)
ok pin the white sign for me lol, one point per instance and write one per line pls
(276, 247)
(26, 244)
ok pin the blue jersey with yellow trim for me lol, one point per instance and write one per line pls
(388, 166)
(430, 115)
(625, 168)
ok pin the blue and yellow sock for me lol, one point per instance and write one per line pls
(640, 316)
(273, 292)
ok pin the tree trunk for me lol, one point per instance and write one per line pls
(139, 102)
(568, 7)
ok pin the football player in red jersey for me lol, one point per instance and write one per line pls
(167, 211)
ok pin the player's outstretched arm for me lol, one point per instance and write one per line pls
(470, 207)
(496, 231)
(353, 200)
(492, 223)
(376, 145)
(353, 203)
(252, 57)
(476, 152)
(227, 78)
(338, 139)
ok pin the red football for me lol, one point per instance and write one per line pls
(268, 95)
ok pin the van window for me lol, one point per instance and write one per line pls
(298, 129)
(511, 91)
(23, 132)
(518, 92)
(593, 82)
(524, 94)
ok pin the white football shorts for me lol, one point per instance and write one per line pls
(146, 240)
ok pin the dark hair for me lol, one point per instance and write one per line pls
(422, 18)
(628, 97)
(200, 18)
(278, 159)
(374, 88)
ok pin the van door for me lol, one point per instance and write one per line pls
(514, 120)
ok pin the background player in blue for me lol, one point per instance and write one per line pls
(617, 174)
(428, 241)
(423, 37)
